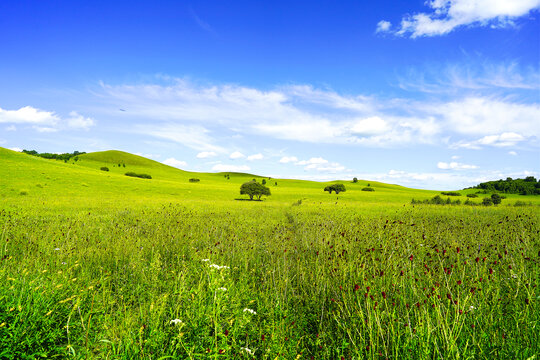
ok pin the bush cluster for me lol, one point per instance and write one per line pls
(495, 199)
(104, 168)
(335, 187)
(194, 180)
(451, 193)
(142, 176)
(368, 189)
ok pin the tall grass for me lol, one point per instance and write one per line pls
(308, 281)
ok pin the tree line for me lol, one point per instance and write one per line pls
(527, 186)
(65, 156)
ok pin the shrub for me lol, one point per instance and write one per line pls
(355, 180)
(472, 195)
(23, 192)
(104, 168)
(263, 181)
(194, 180)
(451, 193)
(496, 199)
(368, 189)
(487, 201)
(142, 176)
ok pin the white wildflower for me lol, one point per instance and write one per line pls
(222, 288)
(514, 276)
(176, 322)
(56, 249)
(219, 267)
(250, 352)
(250, 310)
(205, 260)
(471, 308)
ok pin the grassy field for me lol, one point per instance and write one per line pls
(99, 265)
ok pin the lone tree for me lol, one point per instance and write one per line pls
(253, 188)
(355, 180)
(335, 187)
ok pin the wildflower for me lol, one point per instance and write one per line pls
(222, 289)
(176, 321)
(471, 308)
(56, 249)
(219, 267)
(248, 351)
(250, 311)
(205, 260)
(356, 287)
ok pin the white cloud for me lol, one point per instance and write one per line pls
(455, 157)
(513, 153)
(16, 149)
(77, 121)
(255, 157)
(370, 126)
(313, 161)
(501, 140)
(472, 75)
(320, 164)
(192, 136)
(237, 155)
(288, 159)
(383, 26)
(206, 154)
(230, 168)
(448, 15)
(455, 166)
(185, 113)
(11, 128)
(28, 115)
(483, 116)
(44, 129)
(175, 163)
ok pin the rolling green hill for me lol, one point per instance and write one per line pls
(81, 183)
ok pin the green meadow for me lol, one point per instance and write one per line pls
(98, 265)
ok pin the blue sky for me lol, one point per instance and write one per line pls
(440, 94)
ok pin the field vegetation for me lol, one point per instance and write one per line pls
(98, 265)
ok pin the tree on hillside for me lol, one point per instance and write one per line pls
(335, 187)
(355, 180)
(253, 188)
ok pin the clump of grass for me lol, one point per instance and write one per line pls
(104, 168)
(368, 189)
(194, 180)
(23, 192)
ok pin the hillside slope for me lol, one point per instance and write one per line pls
(80, 182)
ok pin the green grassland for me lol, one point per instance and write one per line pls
(99, 265)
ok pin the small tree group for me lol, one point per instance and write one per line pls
(335, 187)
(253, 188)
